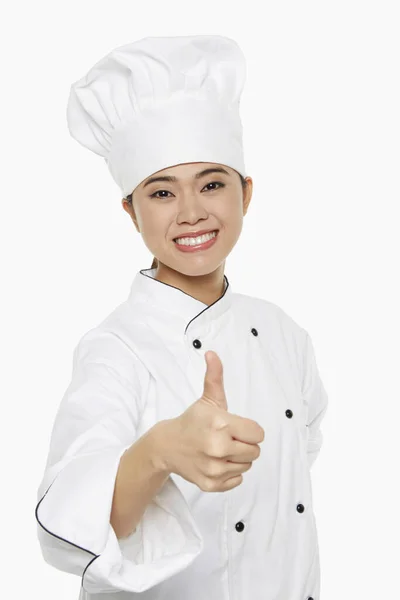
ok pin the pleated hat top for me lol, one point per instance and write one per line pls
(159, 102)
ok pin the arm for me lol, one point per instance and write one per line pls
(94, 436)
(316, 399)
(139, 478)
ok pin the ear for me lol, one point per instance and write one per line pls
(127, 206)
(247, 194)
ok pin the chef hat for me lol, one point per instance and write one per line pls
(159, 102)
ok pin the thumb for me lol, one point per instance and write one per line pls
(213, 380)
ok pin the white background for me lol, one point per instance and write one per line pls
(320, 113)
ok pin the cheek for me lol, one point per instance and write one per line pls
(154, 225)
(232, 219)
(230, 208)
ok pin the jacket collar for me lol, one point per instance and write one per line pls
(168, 301)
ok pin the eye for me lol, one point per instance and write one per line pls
(159, 192)
(215, 182)
(218, 183)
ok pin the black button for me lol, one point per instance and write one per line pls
(254, 331)
(310, 598)
(289, 413)
(197, 343)
(300, 508)
(239, 526)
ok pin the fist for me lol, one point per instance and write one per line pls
(207, 445)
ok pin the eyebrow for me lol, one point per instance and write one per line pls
(198, 175)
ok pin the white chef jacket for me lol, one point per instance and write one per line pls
(145, 363)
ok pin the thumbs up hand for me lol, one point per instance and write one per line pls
(213, 390)
(206, 444)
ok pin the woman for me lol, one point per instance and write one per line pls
(179, 464)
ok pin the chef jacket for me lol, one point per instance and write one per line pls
(145, 363)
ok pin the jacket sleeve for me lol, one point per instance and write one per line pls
(96, 422)
(316, 400)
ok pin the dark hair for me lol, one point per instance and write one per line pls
(129, 198)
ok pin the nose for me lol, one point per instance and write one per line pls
(190, 208)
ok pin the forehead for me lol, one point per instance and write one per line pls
(191, 168)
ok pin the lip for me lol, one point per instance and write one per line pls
(195, 233)
(198, 247)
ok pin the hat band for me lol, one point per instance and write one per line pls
(180, 131)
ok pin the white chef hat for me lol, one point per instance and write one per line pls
(159, 102)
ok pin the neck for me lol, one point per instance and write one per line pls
(206, 288)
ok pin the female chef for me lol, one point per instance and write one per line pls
(179, 462)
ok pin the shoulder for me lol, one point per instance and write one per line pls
(111, 343)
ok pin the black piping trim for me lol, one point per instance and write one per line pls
(142, 271)
(64, 540)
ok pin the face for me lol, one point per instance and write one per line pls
(190, 197)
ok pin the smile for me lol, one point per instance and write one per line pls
(203, 242)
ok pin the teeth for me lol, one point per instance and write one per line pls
(190, 241)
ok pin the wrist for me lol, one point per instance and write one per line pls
(161, 436)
